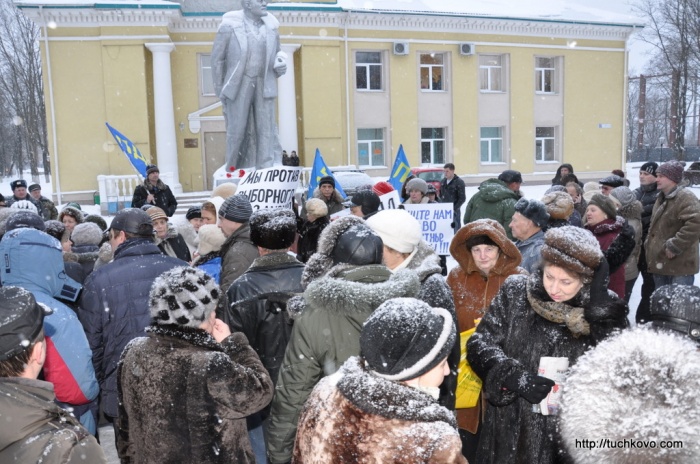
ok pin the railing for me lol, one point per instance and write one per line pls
(116, 192)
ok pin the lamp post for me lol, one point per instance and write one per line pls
(662, 139)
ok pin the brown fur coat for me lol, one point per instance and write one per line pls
(356, 417)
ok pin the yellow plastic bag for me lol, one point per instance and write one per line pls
(468, 383)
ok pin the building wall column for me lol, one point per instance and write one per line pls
(166, 141)
(287, 103)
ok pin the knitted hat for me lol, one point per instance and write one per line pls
(404, 338)
(572, 248)
(151, 168)
(34, 187)
(533, 210)
(21, 322)
(382, 187)
(75, 205)
(417, 184)
(624, 195)
(366, 199)
(509, 176)
(236, 208)
(671, 169)
(156, 213)
(87, 233)
(211, 238)
(72, 212)
(193, 212)
(327, 180)
(25, 219)
(559, 205)
(649, 167)
(274, 229)
(18, 183)
(225, 190)
(99, 220)
(183, 296)
(317, 207)
(55, 229)
(677, 307)
(398, 229)
(605, 204)
(25, 205)
(612, 181)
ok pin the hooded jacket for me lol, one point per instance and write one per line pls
(326, 333)
(68, 363)
(114, 307)
(494, 200)
(557, 177)
(354, 416)
(184, 397)
(163, 197)
(510, 340)
(473, 291)
(38, 430)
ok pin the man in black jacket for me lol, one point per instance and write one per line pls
(114, 304)
(452, 191)
(258, 299)
(154, 192)
(646, 193)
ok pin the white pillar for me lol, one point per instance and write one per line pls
(166, 142)
(287, 103)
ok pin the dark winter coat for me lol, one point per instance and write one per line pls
(309, 232)
(675, 226)
(87, 255)
(257, 306)
(174, 245)
(511, 339)
(646, 194)
(36, 429)
(49, 209)
(494, 200)
(334, 204)
(237, 254)
(453, 192)
(114, 307)
(163, 197)
(326, 333)
(557, 180)
(616, 246)
(434, 291)
(354, 416)
(531, 251)
(183, 397)
(473, 291)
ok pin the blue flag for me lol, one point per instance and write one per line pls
(320, 170)
(132, 153)
(400, 171)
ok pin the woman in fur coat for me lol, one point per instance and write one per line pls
(381, 406)
(559, 311)
(485, 258)
(186, 389)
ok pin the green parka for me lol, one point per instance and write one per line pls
(494, 200)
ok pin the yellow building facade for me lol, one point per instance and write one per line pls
(486, 93)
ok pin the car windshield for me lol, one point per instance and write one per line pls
(430, 176)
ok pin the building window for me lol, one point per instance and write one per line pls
(491, 73)
(544, 144)
(206, 79)
(370, 147)
(432, 67)
(368, 70)
(432, 145)
(545, 75)
(491, 145)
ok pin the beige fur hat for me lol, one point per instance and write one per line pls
(317, 207)
(559, 205)
(225, 190)
(211, 238)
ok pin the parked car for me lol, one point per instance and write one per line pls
(692, 173)
(430, 175)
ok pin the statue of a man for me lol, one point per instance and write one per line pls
(246, 61)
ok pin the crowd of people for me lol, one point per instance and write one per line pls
(288, 335)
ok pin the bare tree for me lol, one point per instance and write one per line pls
(21, 86)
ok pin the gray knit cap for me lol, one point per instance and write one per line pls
(417, 184)
(236, 208)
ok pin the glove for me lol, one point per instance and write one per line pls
(599, 284)
(533, 388)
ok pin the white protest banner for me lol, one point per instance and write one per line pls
(339, 214)
(270, 187)
(389, 200)
(436, 221)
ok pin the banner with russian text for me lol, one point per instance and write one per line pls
(436, 223)
(270, 187)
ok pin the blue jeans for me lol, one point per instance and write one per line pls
(660, 280)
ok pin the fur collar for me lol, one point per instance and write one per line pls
(425, 262)
(336, 197)
(196, 337)
(388, 399)
(172, 233)
(150, 187)
(608, 225)
(201, 259)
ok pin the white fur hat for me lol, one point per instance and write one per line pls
(211, 238)
(397, 228)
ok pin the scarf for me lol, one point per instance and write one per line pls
(559, 313)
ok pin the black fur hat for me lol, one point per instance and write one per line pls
(533, 210)
(274, 229)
